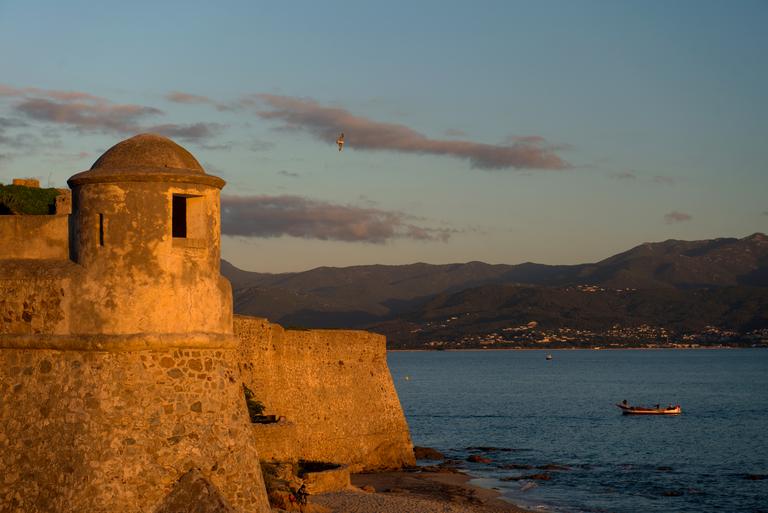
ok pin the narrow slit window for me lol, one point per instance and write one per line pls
(101, 229)
(179, 217)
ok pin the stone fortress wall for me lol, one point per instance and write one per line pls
(120, 372)
(119, 378)
(51, 232)
(335, 391)
(50, 240)
(107, 431)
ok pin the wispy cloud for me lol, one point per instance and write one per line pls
(765, 213)
(289, 174)
(259, 145)
(193, 132)
(325, 123)
(23, 141)
(6, 90)
(88, 113)
(664, 180)
(195, 99)
(217, 146)
(67, 156)
(297, 216)
(179, 97)
(632, 175)
(213, 169)
(676, 217)
(454, 132)
(624, 175)
(532, 139)
(12, 123)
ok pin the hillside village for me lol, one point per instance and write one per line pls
(617, 337)
(665, 294)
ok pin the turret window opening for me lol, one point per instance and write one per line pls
(101, 229)
(179, 217)
(189, 224)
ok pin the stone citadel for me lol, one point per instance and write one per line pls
(122, 366)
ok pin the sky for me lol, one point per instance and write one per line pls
(558, 132)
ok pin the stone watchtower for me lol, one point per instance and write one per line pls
(119, 386)
(146, 229)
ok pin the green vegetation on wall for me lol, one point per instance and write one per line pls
(255, 407)
(20, 200)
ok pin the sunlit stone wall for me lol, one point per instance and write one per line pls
(106, 431)
(335, 391)
(119, 379)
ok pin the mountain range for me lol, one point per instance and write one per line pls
(679, 285)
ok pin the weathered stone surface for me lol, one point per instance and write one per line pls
(283, 500)
(63, 205)
(118, 367)
(336, 413)
(33, 299)
(331, 480)
(120, 432)
(133, 275)
(27, 182)
(93, 431)
(194, 494)
(147, 150)
(139, 278)
(50, 239)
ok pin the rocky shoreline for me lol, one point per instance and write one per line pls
(414, 491)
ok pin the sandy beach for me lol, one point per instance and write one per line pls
(411, 492)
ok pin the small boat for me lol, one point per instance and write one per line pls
(642, 410)
(548, 357)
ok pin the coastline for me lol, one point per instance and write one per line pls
(547, 349)
(425, 492)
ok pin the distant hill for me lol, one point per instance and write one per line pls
(685, 264)
(350, 296)
(681, 284)
(496, 309)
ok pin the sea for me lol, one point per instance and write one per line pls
(558, 417)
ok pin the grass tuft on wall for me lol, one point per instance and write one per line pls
(22, 200)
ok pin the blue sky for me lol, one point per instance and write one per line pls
(547, 131)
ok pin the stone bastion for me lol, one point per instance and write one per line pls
(122, 369)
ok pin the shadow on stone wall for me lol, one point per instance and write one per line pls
(193, 493)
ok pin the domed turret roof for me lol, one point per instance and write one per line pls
(146, 158)
(147, 150)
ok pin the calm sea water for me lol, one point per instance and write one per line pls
(562, 412)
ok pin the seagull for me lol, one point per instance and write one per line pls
(340, 141)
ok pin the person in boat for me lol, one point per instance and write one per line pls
(625, 403)
(658, 406)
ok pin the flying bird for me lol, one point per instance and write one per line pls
(340, 141)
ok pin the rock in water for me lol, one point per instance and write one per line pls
(427, 453)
